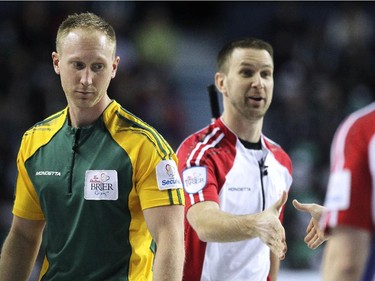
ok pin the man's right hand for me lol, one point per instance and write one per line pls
(314, 234)
(270, 229)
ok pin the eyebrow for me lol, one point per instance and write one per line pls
(254, 65)
(76, 58)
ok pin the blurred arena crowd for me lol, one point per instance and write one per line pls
(324, 69)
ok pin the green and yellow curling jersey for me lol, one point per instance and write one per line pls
(91, 185)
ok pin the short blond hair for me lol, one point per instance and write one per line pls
(84, 21)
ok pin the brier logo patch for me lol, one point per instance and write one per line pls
(195, 179)
(101, 185)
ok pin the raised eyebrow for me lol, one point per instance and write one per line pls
(253, 65)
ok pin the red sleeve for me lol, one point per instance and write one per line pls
(350, 156)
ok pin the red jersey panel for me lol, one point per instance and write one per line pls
(350, 198)
(350, 194)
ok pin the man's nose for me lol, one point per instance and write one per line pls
(257, 81)
(86, 78)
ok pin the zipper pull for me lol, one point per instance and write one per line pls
(263, 167)
(76, 139)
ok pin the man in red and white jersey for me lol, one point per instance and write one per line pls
(235, 179)
(350, 200)
(348, 216)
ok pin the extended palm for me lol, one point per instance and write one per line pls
(315, 235)
(270, 229)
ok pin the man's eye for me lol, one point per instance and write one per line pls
(247, 72)
(266, 74)
(97, 67)
(78, 65)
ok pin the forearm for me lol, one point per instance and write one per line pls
(344, 268)
(275, 265)
(334, 271)
(17, 258)
(214, 225)
(166, 225)
(345, 254)
(169, 261)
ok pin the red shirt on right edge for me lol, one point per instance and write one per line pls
(350, 198)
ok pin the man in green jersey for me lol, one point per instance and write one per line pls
(102, 182)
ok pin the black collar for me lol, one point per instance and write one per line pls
(252, 145)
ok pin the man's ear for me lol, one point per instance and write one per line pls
(220, 81)
(56, 62)
(115, 66)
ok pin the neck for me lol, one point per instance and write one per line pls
(247, 130)
(82, 117)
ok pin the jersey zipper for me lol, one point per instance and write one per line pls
(263, 172)
(74, 152)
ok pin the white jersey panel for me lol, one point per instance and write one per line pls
(242, 194)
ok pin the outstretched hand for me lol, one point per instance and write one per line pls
(271, 231)
(314, 234)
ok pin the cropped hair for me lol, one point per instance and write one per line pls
(244, 43)
(87, 21)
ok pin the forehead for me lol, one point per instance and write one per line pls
(86, 40)
(250, 56)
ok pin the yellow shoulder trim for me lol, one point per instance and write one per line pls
(42, 132)
(126, 121)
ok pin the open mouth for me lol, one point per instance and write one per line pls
(256, 98)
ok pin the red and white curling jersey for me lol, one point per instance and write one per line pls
(350, 198)
(216, 166)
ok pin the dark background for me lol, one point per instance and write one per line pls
(324, 69)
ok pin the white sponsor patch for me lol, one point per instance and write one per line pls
(338, 191)
(101, 185)
(167, 175)
(194, 179)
